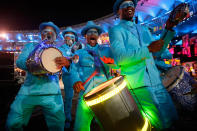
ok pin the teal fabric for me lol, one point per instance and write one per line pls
(90, 25)
(160, 63)
(41, 91)
(23, 106)
(84, 69)
(68, 89)
(36, 85)
(51, 24)
(70, 29)
(129, 46)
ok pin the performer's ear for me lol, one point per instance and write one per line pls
(119, 13)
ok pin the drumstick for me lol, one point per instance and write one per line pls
(90, 77)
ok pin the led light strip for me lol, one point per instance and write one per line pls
(145, 127)
(107, 95)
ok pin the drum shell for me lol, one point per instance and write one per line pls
(120, 112)
(34, 63)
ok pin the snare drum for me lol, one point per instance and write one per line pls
(114, 106)
(42, 61)
(177, 82)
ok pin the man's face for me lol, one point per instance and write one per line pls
(69, 38)
(48, 33)
(126, 10)
(92, 36)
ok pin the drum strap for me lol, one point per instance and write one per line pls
(97, 62)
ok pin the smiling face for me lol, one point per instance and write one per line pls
(92, 36)
(126, 10)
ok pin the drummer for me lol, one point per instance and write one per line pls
(43, 91)
(71, 44)
(132, 46)
(90, 72)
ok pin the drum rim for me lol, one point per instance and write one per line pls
(103, 91)
(175, 82)
(48, 72)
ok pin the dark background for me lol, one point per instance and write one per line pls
(27, 14)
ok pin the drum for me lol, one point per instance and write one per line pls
(178, 84)
(42, 60)
(114, 106)
(179, 12)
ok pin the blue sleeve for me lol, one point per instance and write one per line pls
(74, 70)
(168, 35)
(166, 55)
(21, 61)
(74, 74)
(123, 55)
(63, 50)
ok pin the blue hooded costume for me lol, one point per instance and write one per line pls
(66, 78)
(87, 64)
(41, 91)
(160, 63)
(129, 44)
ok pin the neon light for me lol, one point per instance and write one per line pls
(145, 127)
(107, 95)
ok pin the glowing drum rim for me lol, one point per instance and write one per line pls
(42, 61)
(113, 105)
(178, 85)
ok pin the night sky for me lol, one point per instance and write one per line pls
(27, 15)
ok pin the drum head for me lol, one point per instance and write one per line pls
(101, 87)
(48, 59)
(171, 76)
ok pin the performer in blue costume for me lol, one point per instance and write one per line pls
(132, 46)
(89, 65)
(43, 91)
(71, 44)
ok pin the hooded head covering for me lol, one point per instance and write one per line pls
(51, 24)
(69, 29)
(90, 25)
(118, 2)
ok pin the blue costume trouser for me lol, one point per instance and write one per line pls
(156, 105)
(164, 104)
(23, 106)
(69, 93)
(84, 115)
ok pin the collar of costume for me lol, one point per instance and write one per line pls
(92, 47)
(129, 23)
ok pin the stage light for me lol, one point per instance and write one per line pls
(3, 35)
(18, 36)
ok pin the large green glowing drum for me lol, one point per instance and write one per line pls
(114, 106)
